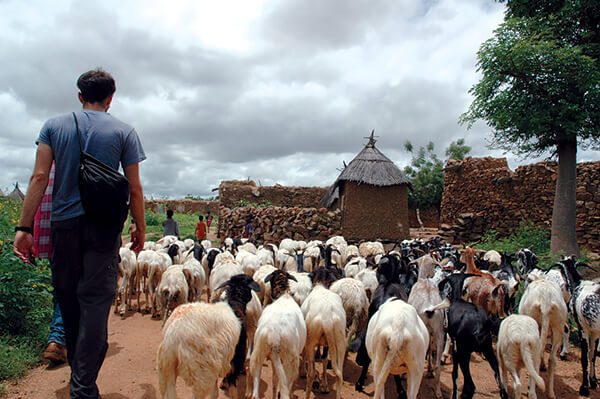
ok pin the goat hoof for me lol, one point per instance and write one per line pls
(329, 367)
(563, 357)
(593, 384)
(324, 389)
(315, 385)
(358, 387)
(543, 367)
(584, 391)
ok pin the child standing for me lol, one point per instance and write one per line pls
(248, 229)
(200, 229)
(209, 219)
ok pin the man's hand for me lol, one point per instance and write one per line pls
(23, 246)
(138, 237)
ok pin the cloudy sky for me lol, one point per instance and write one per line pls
(279, 91)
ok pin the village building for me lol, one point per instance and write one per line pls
(17, 194)
(372, 193)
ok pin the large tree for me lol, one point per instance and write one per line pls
(540, 92)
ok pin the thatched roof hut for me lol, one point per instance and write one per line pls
(16, 194)
(372, 193)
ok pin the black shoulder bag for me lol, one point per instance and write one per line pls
(104, 191)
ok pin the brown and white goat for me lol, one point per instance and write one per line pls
(483, 289)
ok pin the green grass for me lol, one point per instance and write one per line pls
(25, 302)
(187, 225)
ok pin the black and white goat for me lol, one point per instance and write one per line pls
(470, 331)
(585, 308)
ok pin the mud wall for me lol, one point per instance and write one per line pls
(487, 191)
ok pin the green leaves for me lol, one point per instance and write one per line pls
(540, 79)
(426, 173)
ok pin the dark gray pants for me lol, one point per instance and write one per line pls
(84, 275)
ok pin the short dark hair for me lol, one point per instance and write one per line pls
(170, 213)
(96, 85)
(200, 217)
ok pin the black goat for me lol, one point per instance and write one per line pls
(470, 331)
(238, 292)
(198, 250)
(388, 276)
(279, 280)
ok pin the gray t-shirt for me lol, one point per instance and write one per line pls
(103, 136)
(171, 227)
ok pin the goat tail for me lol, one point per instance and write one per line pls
(445, 304)
(527, 353)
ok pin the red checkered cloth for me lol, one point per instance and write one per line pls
(41, 221)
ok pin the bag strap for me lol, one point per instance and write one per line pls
(78, 134)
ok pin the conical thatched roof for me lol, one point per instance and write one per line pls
(370, 166)
(16, 194)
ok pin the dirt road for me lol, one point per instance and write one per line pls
(129, 372)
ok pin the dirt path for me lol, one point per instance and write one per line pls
(129, 372)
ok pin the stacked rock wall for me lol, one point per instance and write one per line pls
(232, 193)
(276, 223)
(485, 193)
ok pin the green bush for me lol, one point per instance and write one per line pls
(153, 219)
(527, 235)
(25, 302)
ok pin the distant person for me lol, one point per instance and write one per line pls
(201, 229)
(248, 229)
(209, 219)
(170, 226)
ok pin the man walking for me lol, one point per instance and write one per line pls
(85, 254)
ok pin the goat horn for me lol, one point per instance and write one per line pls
(586, 265)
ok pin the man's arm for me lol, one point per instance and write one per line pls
(37, 185)
(138, 234)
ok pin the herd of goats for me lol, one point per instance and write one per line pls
(300, 302)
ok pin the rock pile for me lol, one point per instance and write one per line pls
(276, 223)
(467, 227)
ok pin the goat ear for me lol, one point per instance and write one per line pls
(290, 277)
(225, 284)
(254, 286)
(269, 278)
(496, 290)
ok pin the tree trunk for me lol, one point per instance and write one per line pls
(564, 216)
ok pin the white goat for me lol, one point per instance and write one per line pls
(423, 296)
(128, 268)
(397, 342)
(355, 302)
(325, 325)
(519, 344)
(220, 274)
(172, 290)
(543, 301)
(368, 277)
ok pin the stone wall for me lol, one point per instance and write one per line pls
(232, 192)
(182, 206)
(429, 216)
(275, 223)
(486, 193)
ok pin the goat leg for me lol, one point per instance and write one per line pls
(399, 387)
(584, 390)
(490, 356)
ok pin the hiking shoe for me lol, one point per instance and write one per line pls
(56, 353)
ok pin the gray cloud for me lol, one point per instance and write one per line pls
(284, 101)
